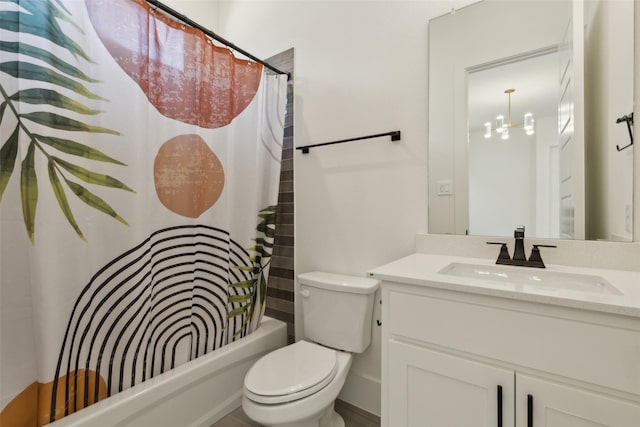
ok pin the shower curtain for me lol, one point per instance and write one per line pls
(139, 168)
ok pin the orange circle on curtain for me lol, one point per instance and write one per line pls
(188, 176)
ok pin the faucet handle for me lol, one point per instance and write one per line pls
(535, 260)
(504, 252)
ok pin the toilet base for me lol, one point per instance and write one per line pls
(329, 418)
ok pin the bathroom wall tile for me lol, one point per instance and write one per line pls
(286, 175)
(287, 154)
(284, 218)
(281, 283)
(285, 241)
(283, 251)
(281, 272)
(285, 198)
(286, 187)
(287, 165)
(282, 262)
(284, 208)
(284, 230)
(280, 304)
(280, 295)
(287, 142)
(274, 293)
(281, 315)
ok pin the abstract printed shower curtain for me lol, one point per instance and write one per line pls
(139, 166)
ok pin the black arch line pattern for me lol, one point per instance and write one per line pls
(168, 295)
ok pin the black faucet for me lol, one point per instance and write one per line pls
(519, 257)
(518, 251)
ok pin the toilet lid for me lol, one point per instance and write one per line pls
(291, 373)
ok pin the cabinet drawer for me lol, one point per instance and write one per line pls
(590, 352)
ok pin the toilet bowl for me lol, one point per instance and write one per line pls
(297, 385)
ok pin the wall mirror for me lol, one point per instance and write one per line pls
(530, 116)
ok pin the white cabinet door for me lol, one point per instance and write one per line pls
(560, 405)
(428, 388)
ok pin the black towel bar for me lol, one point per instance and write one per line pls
(395, 136)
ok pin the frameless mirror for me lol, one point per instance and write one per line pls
(529, 103)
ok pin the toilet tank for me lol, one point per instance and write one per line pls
(337, 309)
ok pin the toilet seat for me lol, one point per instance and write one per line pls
(291, 373)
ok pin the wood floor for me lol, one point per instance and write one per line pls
(353, 417)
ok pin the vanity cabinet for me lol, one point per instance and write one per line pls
(455, 359)
(554, 404)
(432, 388)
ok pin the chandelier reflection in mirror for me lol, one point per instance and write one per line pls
(503, 128)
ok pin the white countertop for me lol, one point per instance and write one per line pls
(422, 270)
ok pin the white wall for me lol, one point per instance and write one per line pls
(360, 69)
(203, 12)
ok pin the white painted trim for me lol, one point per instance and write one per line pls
(362, 391)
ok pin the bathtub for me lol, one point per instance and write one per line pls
(196, 394)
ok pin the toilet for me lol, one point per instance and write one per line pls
(297, 385)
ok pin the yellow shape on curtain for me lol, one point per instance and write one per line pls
(32, 407)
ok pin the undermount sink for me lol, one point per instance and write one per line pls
(548, 280)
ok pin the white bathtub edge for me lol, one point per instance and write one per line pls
(132, 406)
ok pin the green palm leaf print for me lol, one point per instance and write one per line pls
(52, 76)
(253, 293)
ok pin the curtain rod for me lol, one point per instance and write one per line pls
(213, 35)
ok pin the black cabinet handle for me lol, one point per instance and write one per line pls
(529, 410)
(499, 406)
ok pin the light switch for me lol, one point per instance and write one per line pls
(444, 188)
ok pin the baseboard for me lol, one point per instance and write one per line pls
(362, 391)
(355, 416)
